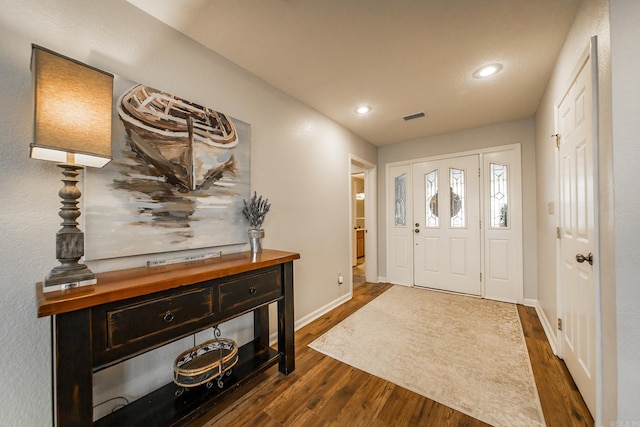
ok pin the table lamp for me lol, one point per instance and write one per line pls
(72, 127)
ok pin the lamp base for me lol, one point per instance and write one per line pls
(61, 279)
(69, 239)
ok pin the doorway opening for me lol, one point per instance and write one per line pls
(363, 221)
(358, 259)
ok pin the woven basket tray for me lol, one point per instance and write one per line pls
(205, 363)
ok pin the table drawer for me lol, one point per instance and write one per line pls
(250, 290)
(138, 321)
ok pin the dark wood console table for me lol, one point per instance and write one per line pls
(129, 312)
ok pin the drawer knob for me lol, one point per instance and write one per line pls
(252, 290)
(168, 317)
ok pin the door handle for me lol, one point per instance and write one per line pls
(417, 230)
(168, 317)
(581, 258)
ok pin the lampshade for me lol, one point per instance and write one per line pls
(73, 104)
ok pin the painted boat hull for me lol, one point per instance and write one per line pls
(189, 144)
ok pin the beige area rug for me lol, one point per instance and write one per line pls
(466, 353)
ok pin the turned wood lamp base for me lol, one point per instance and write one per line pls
(69, 239)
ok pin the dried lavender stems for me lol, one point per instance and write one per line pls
(255, 211)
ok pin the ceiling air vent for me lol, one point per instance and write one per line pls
(414, 116)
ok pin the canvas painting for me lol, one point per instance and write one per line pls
(177, 179)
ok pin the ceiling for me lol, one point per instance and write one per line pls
(398, 56)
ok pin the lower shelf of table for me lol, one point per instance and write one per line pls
(167, 407)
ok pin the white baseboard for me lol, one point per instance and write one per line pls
(549, 331)
(382, 279)
(530, 302)
(304, 321)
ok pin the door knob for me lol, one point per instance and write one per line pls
(417, 230)
(581, 258)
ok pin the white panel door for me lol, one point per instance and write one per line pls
(577, 233)
(446, 224)
(399, 234)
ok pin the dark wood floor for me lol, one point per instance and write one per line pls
(325, 392)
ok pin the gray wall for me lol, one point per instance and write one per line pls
(300, 161)
(625, 97)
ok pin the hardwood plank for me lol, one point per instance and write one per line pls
(329, 408)
(400, 408)
(365, 404)
(308, 419)
(288, 406)
(325, 392)
(560, 399)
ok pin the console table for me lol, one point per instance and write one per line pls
(129, 312)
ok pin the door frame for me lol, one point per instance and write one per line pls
(517, 148)
(589, 54)
(357, 164)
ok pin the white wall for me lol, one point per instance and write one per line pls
(519, 131)
(300, 161)
(625, 98)
(592, 19)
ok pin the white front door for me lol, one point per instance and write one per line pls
(577, 233)
(446, 224)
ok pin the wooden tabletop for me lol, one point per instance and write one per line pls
(123, 284)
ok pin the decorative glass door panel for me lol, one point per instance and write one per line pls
(499, 197)
(431, 199)
(456, 198)
(401, 200)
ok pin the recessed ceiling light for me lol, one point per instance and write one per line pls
(487, 71)
(363, 109)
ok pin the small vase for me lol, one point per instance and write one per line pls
(255, 240)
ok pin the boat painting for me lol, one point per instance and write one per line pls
(176, 182)
(187, 142)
